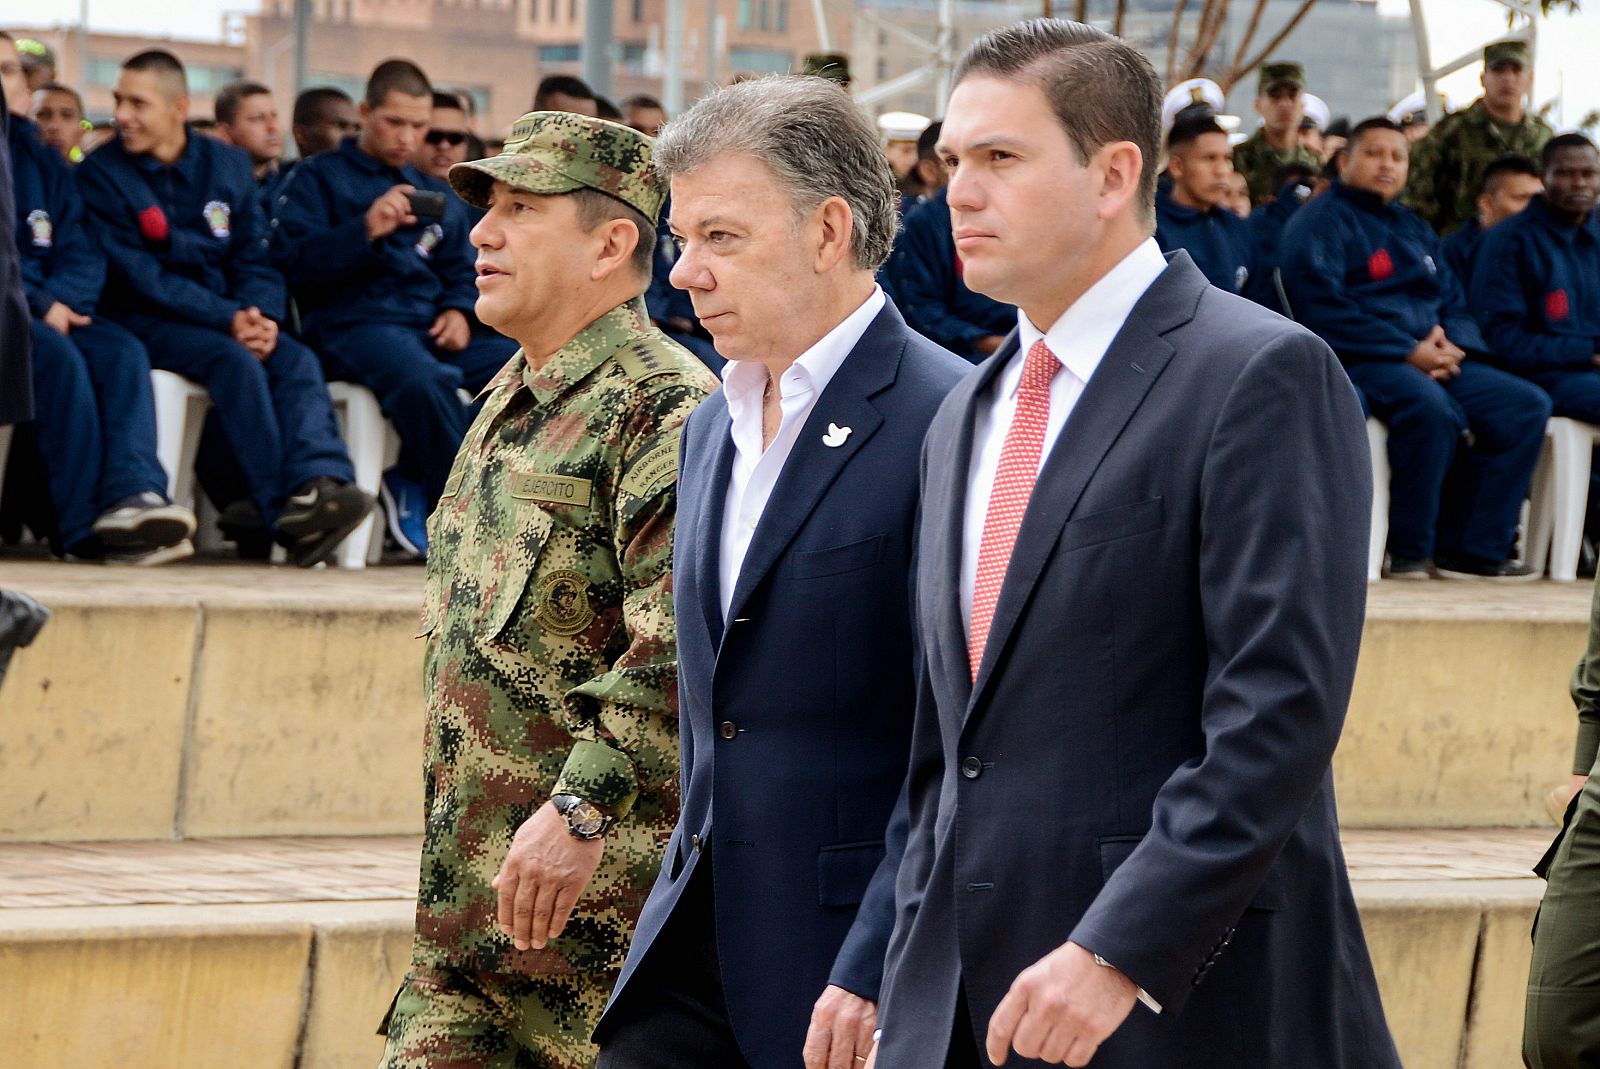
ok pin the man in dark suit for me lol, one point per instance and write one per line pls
(1140, 587)
(762, 943)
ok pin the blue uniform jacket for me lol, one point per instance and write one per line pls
(339, 278)
(1266, 226)
(928, 288)
(186, 242)
(1459, 250)
(1365, 276)
(1540, 305)
(60, 260)
(1216, 240)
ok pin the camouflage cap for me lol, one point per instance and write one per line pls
(1498, 52)
(834, 66)
(558, 152)
(1276, 74)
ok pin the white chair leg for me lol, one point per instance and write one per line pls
(1541, 507)
(172, 407)
(1378, 535)
(362, 424)
(1573, 442)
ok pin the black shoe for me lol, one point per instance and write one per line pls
(1407, 568)
(1586, 559)
(21, 619)
(240, 523)
(144, 521)
(1479, 570)
(319, 515)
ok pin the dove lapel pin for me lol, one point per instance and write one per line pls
(836, 436)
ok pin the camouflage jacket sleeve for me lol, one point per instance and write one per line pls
(1431, 187)
(625, 720)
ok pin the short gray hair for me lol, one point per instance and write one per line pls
(810, 135)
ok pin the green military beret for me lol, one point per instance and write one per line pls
(1498, 52)
(834, 66)
(1276, 74)
(558, 152)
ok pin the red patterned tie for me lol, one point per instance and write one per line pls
(1013, 484)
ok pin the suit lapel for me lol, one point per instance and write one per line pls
(712, 470)
(812, 466)
(1115, 391)
(946, 505)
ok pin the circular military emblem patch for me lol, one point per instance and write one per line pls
(563, 607)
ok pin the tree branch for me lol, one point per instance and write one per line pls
(1204, 46)
(1193, 58)
(1122, 11)
(1250, 30)
(1172, 41)
(1241, 69)
(1081, 12)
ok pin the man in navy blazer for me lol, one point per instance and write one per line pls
(1140, 589)
(762, 944)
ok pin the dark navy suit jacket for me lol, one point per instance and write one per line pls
(796, 715)
(1143, 765)
(16, 378)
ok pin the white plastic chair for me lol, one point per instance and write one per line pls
(1560, 491)
(1378, 444)
(181, 408)
(373, 446)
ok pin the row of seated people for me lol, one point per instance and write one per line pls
(164, 249)
(1462, 346)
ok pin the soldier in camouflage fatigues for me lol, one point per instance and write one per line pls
(1447, 166)
(1256, 158)
(549, 665)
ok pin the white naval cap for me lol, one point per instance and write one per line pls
(1409, 106)
(902, 125)
(1317, 110)
(1185, 94)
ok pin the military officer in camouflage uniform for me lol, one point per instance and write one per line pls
(1447, 166)
(1280, 100)
(550, 657)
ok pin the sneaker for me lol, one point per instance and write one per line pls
(1407, 568)
(149, 556)
(144, 520)
(404, 511)
(1477, 569)
(318, 516)
(240, 523)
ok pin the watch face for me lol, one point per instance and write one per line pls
(585, 819)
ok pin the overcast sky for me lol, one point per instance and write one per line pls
(1567, 64)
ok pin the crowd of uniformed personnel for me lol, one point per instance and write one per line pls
(152, 245)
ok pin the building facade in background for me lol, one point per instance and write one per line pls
(1361, 62)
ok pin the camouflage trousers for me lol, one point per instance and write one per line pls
(454, 1019)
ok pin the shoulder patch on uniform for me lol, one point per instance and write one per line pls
(640, 362)
(652, 472)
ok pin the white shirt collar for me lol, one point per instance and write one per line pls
(745, 380)
(1080, 338)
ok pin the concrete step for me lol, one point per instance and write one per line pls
(284, 953)
(223, 700)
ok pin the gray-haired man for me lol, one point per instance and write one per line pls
(762, 943)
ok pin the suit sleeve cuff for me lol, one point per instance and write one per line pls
(1144, 996)
(600, 774)
(1583, 758)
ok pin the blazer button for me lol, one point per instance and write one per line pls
(728, 729)
(972, 768)
(694, 842)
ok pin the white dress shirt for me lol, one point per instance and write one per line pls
(756, 471)
(1079, 339)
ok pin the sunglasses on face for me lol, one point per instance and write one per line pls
(446, 137)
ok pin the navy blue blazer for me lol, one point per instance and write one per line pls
(1143, 764)
(796, 716)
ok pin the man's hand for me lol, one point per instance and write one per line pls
(255, 331)
(63, 320)
(841, 1030)
(390, 212)
(451, 331)
(1436, 356)
(1060, 1009)
(542, 878)
(988, 343)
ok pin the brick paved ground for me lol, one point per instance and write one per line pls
(236, 871)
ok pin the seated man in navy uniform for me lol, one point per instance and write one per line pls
(1509, 183)
(925, 277)
(1193, 214)
(1293, 185)
(1538, 296)
(377, 255)
(180, 219)
(94, 414)
(1363, 272)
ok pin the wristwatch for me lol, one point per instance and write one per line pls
(585, 820)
